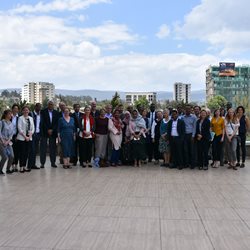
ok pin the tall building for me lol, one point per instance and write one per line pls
(182, 92)
(34, 92)
(230, 81)
(132, 97)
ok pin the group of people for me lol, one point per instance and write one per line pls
(175, 138)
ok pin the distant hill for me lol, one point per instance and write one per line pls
(196, 95)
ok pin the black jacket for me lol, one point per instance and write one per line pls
(180, 129)
(45, 123)
(205, 129)
(77, 119)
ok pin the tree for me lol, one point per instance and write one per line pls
(217, 102)
(142, 102)
(115, 100)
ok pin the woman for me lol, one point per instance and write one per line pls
(156, 135)
(217, 127)
(203, 137)
(231, 129)
(26, 129)
(147, 133)
(126, 142)
(163, 142)
(244, 127)
(67, 137)
(101, 139)
(15, 115)
(115, 127)
(137, 129)
(86, 135)
(7, 130)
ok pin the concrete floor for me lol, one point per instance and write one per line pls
(126, 208)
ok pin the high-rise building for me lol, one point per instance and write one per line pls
(182, 92)
(34, 92)
(132, 97)
(230, 81)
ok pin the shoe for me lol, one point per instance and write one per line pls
(163, 165)
(69, 166)
(65, 166)
(180, 168)
(205, 168)
(9, 172)
(242, 165)
(35, 167)
(156, 162)
(89, 165)
(54, 166)
(2, 173)
(42, 166)
(113, 165)
(235, 168)
(21, 171)
(212, 164)
(237, 164)
(83, 165)
(27, 170)
(200, 168)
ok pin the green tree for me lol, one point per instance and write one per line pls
(217, 102)
(142, 102)
(116, 100)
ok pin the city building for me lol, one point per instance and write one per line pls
(230, 81)
(182, 92)
(34, 92)
(131, 97)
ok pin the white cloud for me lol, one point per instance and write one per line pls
(57, 5)
(224, 24)
(123, 72)
(163, 32)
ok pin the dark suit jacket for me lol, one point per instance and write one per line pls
(180, 129)
(77, 119)
(205, 129)
(34, 116)
(97, 113)
(45, 123)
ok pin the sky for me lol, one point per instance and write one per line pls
(126, 45)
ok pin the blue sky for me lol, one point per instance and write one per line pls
(120, 45)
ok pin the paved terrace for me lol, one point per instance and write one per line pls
(126, 208)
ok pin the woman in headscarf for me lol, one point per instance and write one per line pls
(115, 127)
(137, 127)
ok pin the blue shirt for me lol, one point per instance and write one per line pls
(190, 124)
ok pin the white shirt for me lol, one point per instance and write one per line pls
(231, 127)
(38, 119)
(174, 131)
(50, 115)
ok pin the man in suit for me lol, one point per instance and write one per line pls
(152, 117)
(36, 138)
(176, 134)
(94, 112)
(48, 130)
(76, 116)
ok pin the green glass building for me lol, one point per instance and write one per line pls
(230, 81)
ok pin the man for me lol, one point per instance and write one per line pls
(108, 111)
(175, 135)
(152, 116)
(94, 112)
(36, 138)
(197, 110)
(48, 130)
(190, 130)
(76, 116)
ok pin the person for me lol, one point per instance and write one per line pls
(203, 137)
(66, 137)
(115, 127)
(101, 139)
(152, 116)
(190, 130)
(108, 111)
(94, 112)
(26, 130)
(77, 115)
(163, 142)
(217, 128)
(15, 115)
(148, 135)
(48, 130)
(244, 127)
(86, 137)
(62, 107)
(126, 156)
(36, 138)
(7, 130)
(137, 129)
(109, 115)
(231, 130)
(155, 136)
(175, 136)
(197, 110)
